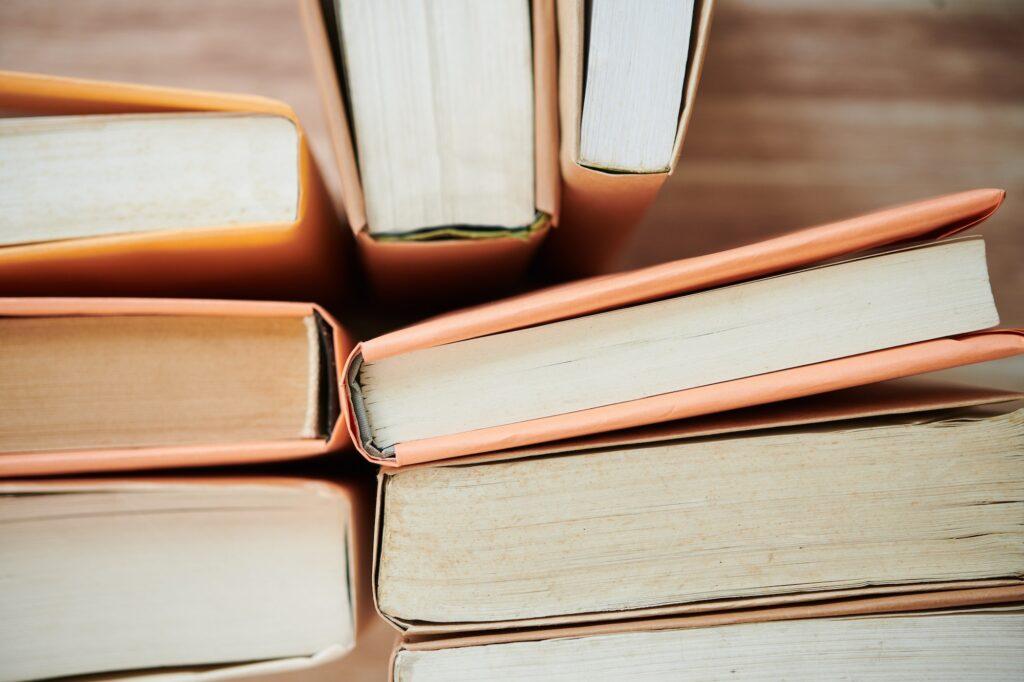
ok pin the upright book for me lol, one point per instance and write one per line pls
(241, 578)
(122, 384)
(116, 189)
(808, 312)
(889, 489)
(443, 119)
(628, 77)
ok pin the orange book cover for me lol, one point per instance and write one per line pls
(306, 259)
(929, 219)
(440, 268)
(64, 462)
(600, 209)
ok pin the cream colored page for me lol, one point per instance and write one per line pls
(636, 67)
(65, 177)
(134, 576)
(679, 343)
(966, 646)
(442, 102)
(760, 514)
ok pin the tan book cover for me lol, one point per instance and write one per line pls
(919, 221)
(115, 450)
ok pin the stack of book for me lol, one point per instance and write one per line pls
(725, 466)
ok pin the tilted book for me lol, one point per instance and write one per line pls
(876, 297)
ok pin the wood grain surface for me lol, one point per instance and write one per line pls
(808, 111)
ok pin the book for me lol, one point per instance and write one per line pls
(442, 113)
(70, 177)
(766, 325)
(636, 68)
(118, 189)
(807, 502)
(226, 578)
(966, 634)
(803, 313)
(454, 102)
(628, 78)
(111, 384)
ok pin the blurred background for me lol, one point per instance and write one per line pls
(809, 110)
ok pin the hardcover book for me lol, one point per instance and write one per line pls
(125, 384)
(847, 494)
(237, 578)
(131, 190)
(448, 162)
(876, 297)
(628, 78)
(956, 635)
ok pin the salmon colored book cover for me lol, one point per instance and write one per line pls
(915, 222)
(306, 258)
(601, 208)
